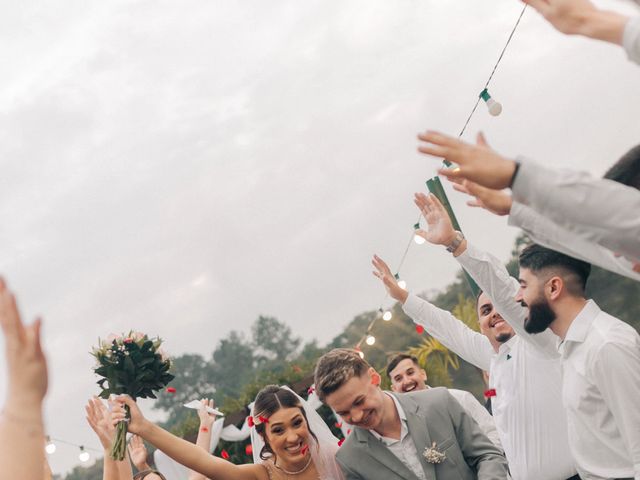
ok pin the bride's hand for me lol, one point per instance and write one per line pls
(137, 422)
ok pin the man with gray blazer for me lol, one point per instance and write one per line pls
(423, 435)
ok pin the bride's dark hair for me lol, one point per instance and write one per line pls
(268, 401)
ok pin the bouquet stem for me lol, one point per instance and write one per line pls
(119, 447)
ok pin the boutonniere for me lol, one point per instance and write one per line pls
(433, 455)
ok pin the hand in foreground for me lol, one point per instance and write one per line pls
(138, 453)
(389, 281)
(206, 419)
(137, 422)
(27, 366)
(477, 163)
(497, 202)
(99, 418)
(566, 16)
(441, 231)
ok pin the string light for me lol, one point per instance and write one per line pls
(50, 448)
(370, 340)
(495, 108)
(84, 456)
(401, 283)
(419, 239)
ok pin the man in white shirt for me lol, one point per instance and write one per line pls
(407, 375)
(524, 370)
(600, 354)
(600, 359)
(600, 211)
(581, 17)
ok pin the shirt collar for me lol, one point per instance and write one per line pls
(506, 346)
(404, 429)
(581, 325)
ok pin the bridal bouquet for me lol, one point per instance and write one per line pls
(131, 364)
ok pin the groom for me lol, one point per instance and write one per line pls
(423, 435)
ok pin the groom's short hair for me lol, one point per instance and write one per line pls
(336, 368)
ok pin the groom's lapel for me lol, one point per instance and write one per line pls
(380, 453)
(418, 430)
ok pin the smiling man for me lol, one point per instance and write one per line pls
(407, 375)
(419, 435)
(524, 370)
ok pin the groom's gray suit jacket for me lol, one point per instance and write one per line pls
(433, 415)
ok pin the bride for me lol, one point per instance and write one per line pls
(289, 440)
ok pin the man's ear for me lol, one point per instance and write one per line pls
(555, 287)
(375, 377)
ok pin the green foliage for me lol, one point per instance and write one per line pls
(93, 472)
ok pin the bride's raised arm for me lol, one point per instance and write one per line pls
(183, 452)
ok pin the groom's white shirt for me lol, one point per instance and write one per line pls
(405, 448)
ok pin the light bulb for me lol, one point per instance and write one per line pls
(495, 108)
(50, 448)
(84, 455)
(371, 340)
(386, 316)
(402, 284)
(419, 239)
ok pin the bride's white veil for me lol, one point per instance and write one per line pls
(323, 452)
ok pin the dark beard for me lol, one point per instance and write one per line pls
(540, 317)
(504, 337)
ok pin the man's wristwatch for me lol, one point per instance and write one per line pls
(453, 246)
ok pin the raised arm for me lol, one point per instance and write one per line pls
(544, 231)
(186, 453)
(581, 17)
(21, 424)
(474, 347)
(487, 271)
(204, 432)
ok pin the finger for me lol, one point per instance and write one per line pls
(10, 319)
(451, 173)
(434, 203)
(377, 274)
(541, 6)
(437, 138)
(475, 203)
(481, 140)
(421, 233)
(434, 150)
(459, 187)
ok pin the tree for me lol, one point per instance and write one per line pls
(273, 341)
(233, 364)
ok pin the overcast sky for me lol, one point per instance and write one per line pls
(183, 167)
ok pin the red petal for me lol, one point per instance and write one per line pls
(340, 442)
(250, 421)
(490, 393)
(338, 424)
(420, 329)
(310, 390)
(263, 419)
(304, 450)
(248, 450)
(171, 390)
(225, 454)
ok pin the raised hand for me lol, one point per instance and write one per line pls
(497, 202)
(477, 163)
(99, 418)
(138, 453)
(206, 419)
(441, 231)
(27, 366)
(389, 281)
(137, 422)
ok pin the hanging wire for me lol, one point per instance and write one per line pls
(473, 111)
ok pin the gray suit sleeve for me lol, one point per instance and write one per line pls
(348, 474)
(480, 453)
